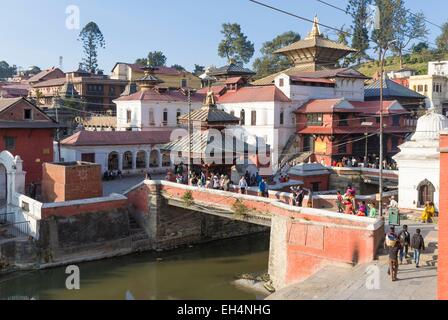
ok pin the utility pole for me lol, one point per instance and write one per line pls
(190, 160)
(382, 62)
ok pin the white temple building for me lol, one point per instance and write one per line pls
(418, 163)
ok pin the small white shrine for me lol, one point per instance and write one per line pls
(418, 163)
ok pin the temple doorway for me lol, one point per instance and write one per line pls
(426, 192)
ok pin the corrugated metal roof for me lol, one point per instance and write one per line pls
(390, 89)
(204, 142)
(210, 114)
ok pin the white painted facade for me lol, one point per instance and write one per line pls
(148, 115)
(419, 162)
(268, 114)
(438, 68)
(348, 88)
(131, 159)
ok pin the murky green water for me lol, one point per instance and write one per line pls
(201, 272)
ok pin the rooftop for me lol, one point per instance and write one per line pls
(254, 94)
(116, 138)
(390, 89)
(158, 94)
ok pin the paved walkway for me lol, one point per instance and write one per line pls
(121, 185)
(371, 281)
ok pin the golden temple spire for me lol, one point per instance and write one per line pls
(315, 32)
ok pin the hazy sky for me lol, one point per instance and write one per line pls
(34, 32)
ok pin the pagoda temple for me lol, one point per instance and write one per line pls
(314, 53)
(213, 148)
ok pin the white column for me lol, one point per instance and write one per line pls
(134, 160)
(120, 161)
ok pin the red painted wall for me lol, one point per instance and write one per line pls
(442, 276)
(312, 240)
(34, 146)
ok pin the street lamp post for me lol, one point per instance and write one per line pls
(382, 62)
(190, 165)
(366, 125)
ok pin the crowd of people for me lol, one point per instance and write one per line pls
(371, 162)
(347, 204)
(398, 246)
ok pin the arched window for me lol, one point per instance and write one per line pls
(112, 161)
(165, 117)
(426, 192)
(243, 117)
(282, 117)
(127, 160)
(253, 120)
(141, 160)
(166, 159)
(178, 114)
(154, 161)
(151, 119)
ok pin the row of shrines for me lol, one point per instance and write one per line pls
(314, 111)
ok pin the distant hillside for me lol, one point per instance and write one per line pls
(417, 61)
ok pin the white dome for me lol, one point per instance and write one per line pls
(429, 126)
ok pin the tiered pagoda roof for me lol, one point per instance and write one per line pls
(314, 53)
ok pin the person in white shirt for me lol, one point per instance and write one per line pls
(393, 203)
(243, 185)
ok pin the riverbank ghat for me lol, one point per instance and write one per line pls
(303, 240)
(161, 215)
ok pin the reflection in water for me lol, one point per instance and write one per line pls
(202, 272)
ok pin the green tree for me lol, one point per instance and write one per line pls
(360, 34)
(7, 71)
(92, 39)
(155, 59)
(442, 40)
(269, 62)
(419, 47)
(178, 67)
(342, 38)
(407, 27)
(235, 46)
(198, 70)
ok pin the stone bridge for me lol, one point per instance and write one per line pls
(303, 240)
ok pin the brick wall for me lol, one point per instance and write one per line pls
(443, 221)
(66, 182)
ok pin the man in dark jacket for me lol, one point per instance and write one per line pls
(418, 244)
(405, 240)
(393, 260)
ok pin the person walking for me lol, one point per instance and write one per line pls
(243, 185)
(418, 244)
(393, 260)
(405, 240)
(262, 188)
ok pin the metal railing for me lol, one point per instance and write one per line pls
(15, 230)
(7, 217)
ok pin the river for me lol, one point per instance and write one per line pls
(199, 272)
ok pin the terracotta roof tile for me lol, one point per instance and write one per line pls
(254, 94)
(162, 95)
(116, 138)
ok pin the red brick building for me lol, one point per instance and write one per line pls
(25, 130)
(443, 220)
(334, 128)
